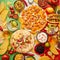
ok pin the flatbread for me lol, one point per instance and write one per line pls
(22, 41)
(33, 18)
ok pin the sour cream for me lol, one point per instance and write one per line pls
(42, 37)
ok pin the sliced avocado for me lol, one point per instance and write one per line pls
(57, 9)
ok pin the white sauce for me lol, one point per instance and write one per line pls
(42, 37)
(30, 1)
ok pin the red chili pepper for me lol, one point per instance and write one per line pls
(15, 16)
(1, 29)
(24, 2)
(28, 54)
(55, 2)
(12, 11)
(59, 2)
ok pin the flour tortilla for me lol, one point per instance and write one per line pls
(27, 47)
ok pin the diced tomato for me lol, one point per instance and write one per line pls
(11, 52)
(18, 40)
(1, 29)
(12, 44)
(20, 46)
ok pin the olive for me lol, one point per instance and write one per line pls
(39, 49)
